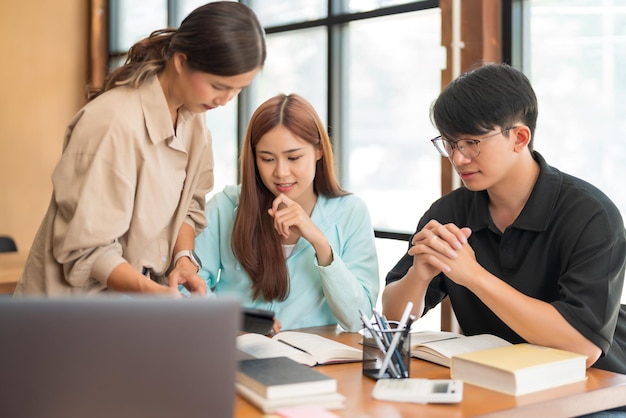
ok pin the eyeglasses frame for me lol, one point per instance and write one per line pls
(454, 144)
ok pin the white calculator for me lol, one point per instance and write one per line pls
(419, 390)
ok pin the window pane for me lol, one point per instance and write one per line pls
(296, 63)
(133, 20)
(222, 122)
(394, 74)
(184, 7)
(282, 12)
(578, 53)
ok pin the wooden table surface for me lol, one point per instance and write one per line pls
(602, 390)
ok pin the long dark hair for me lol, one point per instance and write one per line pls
(256, 244)
(222, 38)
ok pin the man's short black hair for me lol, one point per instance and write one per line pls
(478, 101)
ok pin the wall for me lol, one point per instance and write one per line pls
(43, 74)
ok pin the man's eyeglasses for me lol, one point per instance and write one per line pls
(468, 147)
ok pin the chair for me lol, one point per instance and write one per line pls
(7, 244)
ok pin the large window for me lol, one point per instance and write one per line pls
(574, 52)
(392, 75)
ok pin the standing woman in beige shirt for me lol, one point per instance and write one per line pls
(129, 191)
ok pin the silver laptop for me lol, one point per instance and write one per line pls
(118, 357)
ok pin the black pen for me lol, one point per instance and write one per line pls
(397, 365)
(385, 336)
(293, 346)
(396, 338)
(405, 334)
(398, 350)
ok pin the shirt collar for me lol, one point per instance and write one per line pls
(156, 112)
(537, 211)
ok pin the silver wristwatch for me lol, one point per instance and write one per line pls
(192, 257)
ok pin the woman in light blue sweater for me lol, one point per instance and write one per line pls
(289, 239)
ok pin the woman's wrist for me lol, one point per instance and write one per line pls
(324, 255)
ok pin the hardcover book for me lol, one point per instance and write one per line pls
(519, 369)
(281, 377)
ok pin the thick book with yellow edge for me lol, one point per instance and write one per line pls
(519, 369)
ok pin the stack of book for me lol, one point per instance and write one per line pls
(279, 382)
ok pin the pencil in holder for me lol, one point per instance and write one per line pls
(377, 345)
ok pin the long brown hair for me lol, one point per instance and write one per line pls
(222, 38)
(256, 244)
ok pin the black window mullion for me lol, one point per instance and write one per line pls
(338, 19)
(172, 13)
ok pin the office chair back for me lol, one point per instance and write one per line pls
(7, 244)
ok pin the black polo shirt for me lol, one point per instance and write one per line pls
(567, 247)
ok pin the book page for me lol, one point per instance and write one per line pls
(421, 337)
(441, 351)
(260, 346)
(322, 349)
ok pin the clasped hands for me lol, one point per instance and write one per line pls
(441, 248)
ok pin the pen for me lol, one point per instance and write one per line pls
(397, 360)
(396, 338)
(398, 351)
(292, 346)
(366, 324)
(405, 334)
(409, 324)
(376, 338)
(382, 325)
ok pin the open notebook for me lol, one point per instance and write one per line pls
(118, 357)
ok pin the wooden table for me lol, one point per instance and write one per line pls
(11, 266)
(602, 390)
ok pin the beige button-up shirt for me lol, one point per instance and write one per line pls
(123, 187)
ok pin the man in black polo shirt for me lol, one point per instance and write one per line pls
(524, 251)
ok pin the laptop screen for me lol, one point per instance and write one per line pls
(118, 357)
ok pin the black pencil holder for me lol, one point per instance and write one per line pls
(398, 366)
